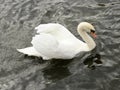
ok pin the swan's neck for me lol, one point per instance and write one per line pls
(89, 41)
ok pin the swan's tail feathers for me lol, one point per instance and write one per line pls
(30, 51)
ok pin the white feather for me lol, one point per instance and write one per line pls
(55, 41)
(30, 51)
(45, 44)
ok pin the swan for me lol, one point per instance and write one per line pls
(54, 41)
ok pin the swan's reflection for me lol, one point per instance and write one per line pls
(57, 69)
(92, 61)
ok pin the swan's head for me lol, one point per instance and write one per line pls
(86, 27)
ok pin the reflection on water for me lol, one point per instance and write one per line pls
(18, 18)
(91, 61)
(57, 69)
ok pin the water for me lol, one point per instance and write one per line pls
(17, 21)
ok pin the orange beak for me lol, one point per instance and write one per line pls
(93, 34)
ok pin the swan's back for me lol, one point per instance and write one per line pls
(58, 31)
(54, 41)
(49, 28)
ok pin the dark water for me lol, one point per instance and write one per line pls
(17, 21)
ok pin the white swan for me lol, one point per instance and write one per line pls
(55, 41)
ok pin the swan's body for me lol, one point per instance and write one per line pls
(55, 41)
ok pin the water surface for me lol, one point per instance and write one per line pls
(18, 18)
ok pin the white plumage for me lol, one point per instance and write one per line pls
(55, 41)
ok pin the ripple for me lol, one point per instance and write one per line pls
(17, 21)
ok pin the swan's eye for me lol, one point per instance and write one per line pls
(93, 31)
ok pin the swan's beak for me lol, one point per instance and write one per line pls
(93, 34)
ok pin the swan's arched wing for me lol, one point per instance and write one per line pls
(47, 28)
(45, 44)
(56, 30)
(51, 28)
